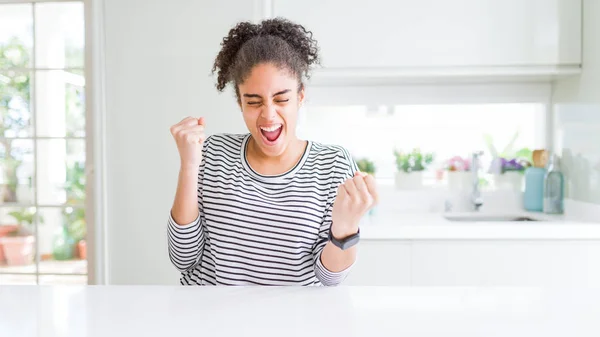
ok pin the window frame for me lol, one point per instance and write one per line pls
(94, 114)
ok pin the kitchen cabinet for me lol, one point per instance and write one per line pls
(381, 37)
(382, 263)
(505, 263)
(477, 263)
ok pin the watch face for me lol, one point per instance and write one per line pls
(345, 243)
(350, 242)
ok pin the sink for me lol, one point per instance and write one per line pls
(487, 217)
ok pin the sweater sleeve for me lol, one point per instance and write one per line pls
(327, 277)
(186, 241)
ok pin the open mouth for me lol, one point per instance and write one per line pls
(271, 133)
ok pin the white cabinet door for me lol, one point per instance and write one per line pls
(506, 263)
(440, 33)
(381, 263)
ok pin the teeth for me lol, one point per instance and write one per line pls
(271, 128)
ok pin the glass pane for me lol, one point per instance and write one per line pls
(16, 36)
(15, 104)
(60, 103)
(446, 131)
(59, 35)
(62, 240)
(17, 240)
(63, 280)
(61, 171)
(16, 171)
(17, 279)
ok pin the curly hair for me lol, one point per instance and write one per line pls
(278, 41)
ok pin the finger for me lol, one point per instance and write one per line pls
(361, 186)
(188, 121)
(351, 189)
(195, 128)
(201, 121)
(193, 137)
(341, 194)
(372, 187)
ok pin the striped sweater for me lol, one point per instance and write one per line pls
(254, 229)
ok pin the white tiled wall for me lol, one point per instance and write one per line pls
(577, 116)
(577, 141)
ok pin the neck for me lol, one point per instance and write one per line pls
(273, 165)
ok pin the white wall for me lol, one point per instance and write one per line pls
(158, 59)
(577, 116)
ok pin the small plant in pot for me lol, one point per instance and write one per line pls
(410, 167)
(458, 173)
(367, 166)
(18, 245)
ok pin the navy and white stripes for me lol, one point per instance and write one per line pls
(255, 229)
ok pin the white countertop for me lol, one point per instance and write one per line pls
(405, 226)
(118, 311)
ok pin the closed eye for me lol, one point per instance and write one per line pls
(282, 101)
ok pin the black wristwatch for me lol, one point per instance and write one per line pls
(346, 242)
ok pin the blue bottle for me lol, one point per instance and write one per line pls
(533, 197)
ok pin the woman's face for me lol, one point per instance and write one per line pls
(269, 100)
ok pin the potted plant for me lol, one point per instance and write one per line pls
(365, 165)
(18, 245)
(76, 230)
(458, 173)
(410, 167)
(75, 217)
(4, 231)
(511, 173)
(508, 166)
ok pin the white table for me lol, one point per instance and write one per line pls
(293, 311)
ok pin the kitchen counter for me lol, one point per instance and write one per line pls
(425, 226)
(118, 311)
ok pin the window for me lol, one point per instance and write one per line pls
(443, 130)
(42, 143)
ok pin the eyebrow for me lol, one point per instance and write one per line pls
(276, 94)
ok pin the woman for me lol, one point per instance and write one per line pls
(265, 208)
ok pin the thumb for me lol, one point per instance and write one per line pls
(201, 121)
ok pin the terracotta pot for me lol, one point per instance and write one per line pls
(4, 230)
(82, 250)
(18, 250)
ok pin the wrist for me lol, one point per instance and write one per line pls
(342, 232)
(189, 167)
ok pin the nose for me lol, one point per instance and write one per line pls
(269, 112)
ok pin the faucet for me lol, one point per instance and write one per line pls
(476, 199)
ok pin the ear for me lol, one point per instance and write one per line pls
(301, 95)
